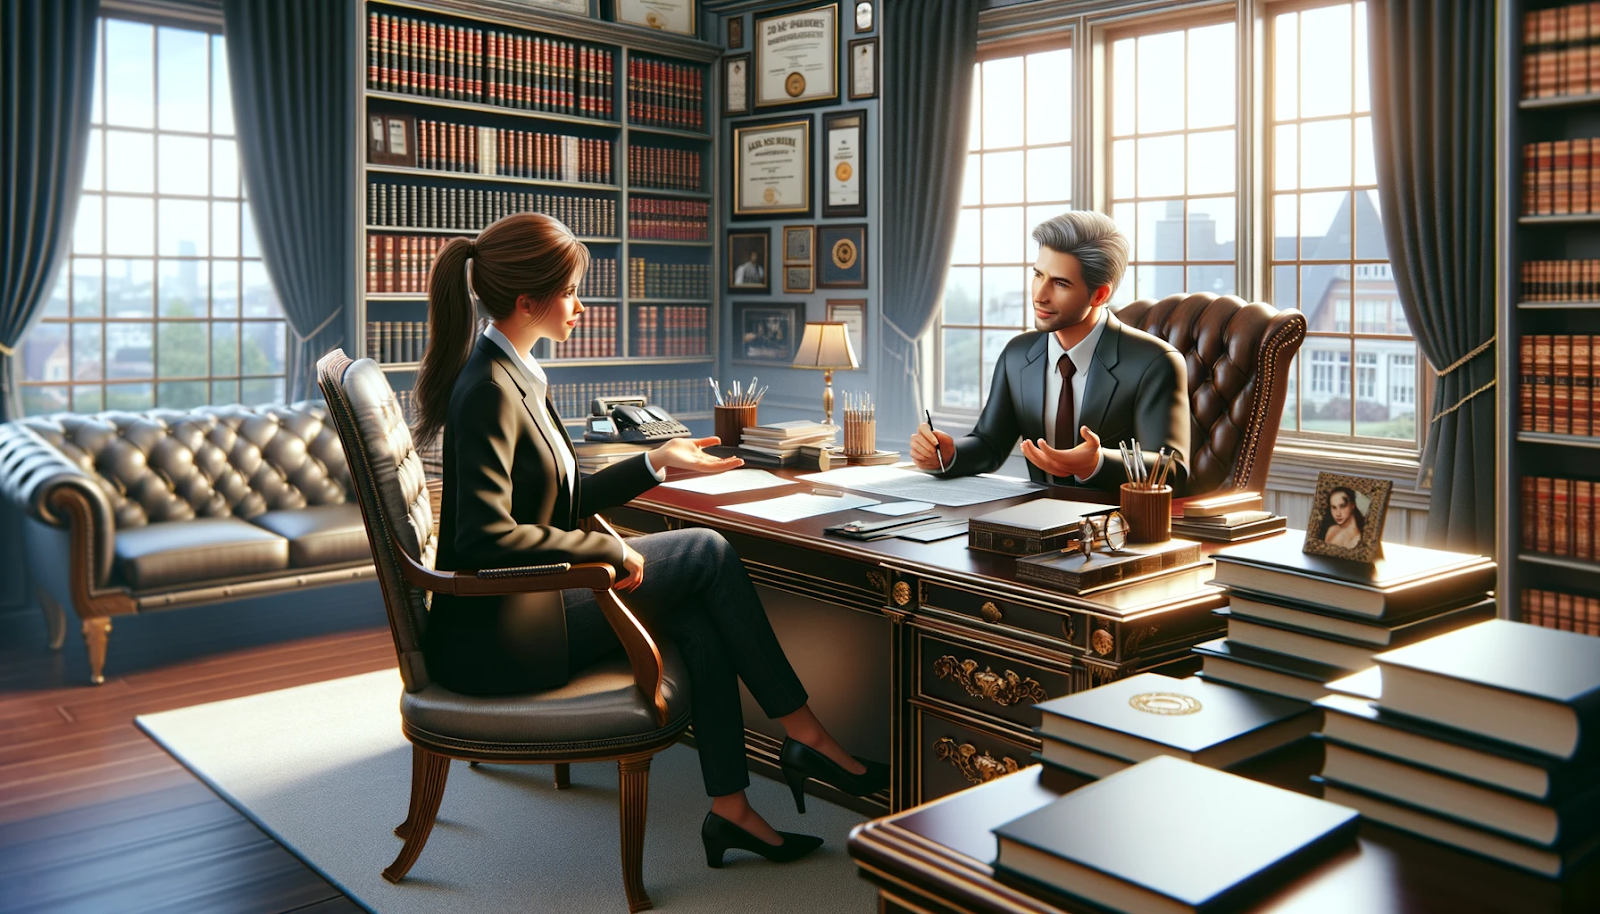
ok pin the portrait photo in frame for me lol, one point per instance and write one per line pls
(842, 256)
(863, 68)
(797, 244)
(844, 160)
(677, 16)
(797, 278)
(772, 168)
(736, 85)
(735, 33)
(797, 56)
(1347, 516)
(748, 261)
(767, 333)
(863, 16)
(853, 314)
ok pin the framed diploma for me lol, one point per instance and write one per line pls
(667, 15)
(844, 160)
(797, 57)
(736, 85)
(853, 314)
(575, 7)
(772, 168)
(863, 68)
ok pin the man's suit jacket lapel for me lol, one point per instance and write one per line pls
(1034, 378)
(1101, 384)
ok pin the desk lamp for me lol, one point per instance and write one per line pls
(826, 345)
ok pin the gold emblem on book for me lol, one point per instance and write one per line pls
(977, 769)
(1167, 704)
(844, 253)
(842, 171)
(794, 84)
(1005, 691)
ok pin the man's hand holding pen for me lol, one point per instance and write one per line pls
(928, 445)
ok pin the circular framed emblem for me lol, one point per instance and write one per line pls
(842, 171)
(794, 84)
(1169, 704)
(769, 195)
(654, 20)
(844, 253)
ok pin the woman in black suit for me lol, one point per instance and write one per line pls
(513, 496)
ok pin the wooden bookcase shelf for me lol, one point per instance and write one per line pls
(1564, 440)
(1559, 101)
(498, 110)
(496, 179)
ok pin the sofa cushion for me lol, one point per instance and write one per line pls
(320, 534)
(192, 551)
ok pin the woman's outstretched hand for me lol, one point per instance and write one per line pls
(689, 454)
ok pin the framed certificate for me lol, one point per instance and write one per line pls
(667, 15)
(863, 68)
(853, 314)
(736, 84)
(797, 57)
(575, 7)
(772, 168)
(844, 159)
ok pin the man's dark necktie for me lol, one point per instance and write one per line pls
(1066, 428)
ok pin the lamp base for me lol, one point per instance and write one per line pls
(827, 396)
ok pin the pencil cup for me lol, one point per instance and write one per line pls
(1148, 512)
(860, 434)
(731, 421)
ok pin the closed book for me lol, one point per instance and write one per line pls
(798, 428)
(1522, 684)
(1253, 668)
(1237, 534)
(1357, 722)
(1077, 759)
(1407, 579)
(1366, 685)
(1358, 630)
(1220, 503)
(1149, 714)
(1041, 525)
(1254, 834)
(1231, 519)
(1074, 572)
(1559, 824)
(1332, 649)
(1410, 818)
(752, 458)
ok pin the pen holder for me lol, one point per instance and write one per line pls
(1148, 513)
(731, 421)
(860, 434)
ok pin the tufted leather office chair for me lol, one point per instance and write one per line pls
(624, 709)
(1238, 356)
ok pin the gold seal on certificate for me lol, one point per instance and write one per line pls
(844, 253)
(842, 171)
(769, 196)
(667, 15)
(797, 56)
(794, 84)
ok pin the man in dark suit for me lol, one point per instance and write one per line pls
(1079, 378)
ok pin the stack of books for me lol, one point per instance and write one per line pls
(1298, 621)
(1486, 738)
(1231, 517)
(597, 455)
(783, 440)
(1170, 836)
(1071, 571)
(1103, 730)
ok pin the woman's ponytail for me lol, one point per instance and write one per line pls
(452, 325)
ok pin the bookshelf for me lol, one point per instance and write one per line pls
(501, 108)
(1549, 321)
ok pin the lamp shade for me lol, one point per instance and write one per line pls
(825, 345)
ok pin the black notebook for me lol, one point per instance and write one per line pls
(1522, 684)
(1171, 836)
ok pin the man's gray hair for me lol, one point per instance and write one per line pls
(1101, 249)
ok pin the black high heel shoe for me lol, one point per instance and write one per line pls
(718, 835)
(801, 761)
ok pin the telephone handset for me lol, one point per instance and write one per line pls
(631, 419)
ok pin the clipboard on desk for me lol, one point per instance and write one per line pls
(867, 530)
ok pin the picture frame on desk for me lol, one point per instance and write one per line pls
(748, 261)
(844, 154)
(772, 168)
(852, 312)
(842, 256)
(863, 68)
(676, 16)
(736, 85)
(1347, 517)
(797, 57)
(766, 333)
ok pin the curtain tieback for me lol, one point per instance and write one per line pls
(1482, 348)
(903, 335)
(7, 350)
(307, 337)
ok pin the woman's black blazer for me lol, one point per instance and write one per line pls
(505, 504)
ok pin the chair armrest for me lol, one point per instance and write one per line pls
(40, 481)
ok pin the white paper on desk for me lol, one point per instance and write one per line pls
(728, 482)
(952, 491)
(899, 508)
(786, 508)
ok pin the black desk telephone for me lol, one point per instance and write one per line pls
(631, 419)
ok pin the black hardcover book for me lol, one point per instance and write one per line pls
(1270, 660)
(1381, 633)
(1407, 579)
(1522, 684)
(1149, 714)
(1334, 650)
(1030, 528)
(1238, 533)
(1152, 860)
(1071, 571)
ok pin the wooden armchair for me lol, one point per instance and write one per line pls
(625, 710)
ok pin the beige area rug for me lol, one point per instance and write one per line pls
(324, 770)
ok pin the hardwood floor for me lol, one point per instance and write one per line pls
(94, 817)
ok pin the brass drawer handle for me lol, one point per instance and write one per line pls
(977, 769)
(902, 593)
(990, 612)
(1004, 691)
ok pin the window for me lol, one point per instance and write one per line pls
(1328, 255)
(1019, 173)
(164, 300)
(1173, 161)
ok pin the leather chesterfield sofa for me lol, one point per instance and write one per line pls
(131, 512)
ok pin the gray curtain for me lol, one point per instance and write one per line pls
(291, 65)
(928, 50)
(47, 52)
(1433, 123)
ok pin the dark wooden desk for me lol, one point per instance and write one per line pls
(935, 859)
(930, 656)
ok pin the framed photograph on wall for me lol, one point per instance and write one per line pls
(736, 85)
(863, 16)
(797, 277)
(797, 242)
(842, 256)
(766, 333)
(797, 57)
(844, 158)
(863, 68)
(853, 314)
(676, 16)
(735, 33)
(747, 261)
(772, 168)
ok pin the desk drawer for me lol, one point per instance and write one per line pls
(949, 756)
(1062, 626)
(986, 682)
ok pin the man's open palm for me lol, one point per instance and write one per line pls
(1078, 461)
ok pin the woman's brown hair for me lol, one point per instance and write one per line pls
(523, 254)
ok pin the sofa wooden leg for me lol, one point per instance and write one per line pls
(563, 775)
(633, 775)
(96, 630)
(55, 619)
(435, 769)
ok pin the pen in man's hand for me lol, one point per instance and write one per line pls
(937, 450)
